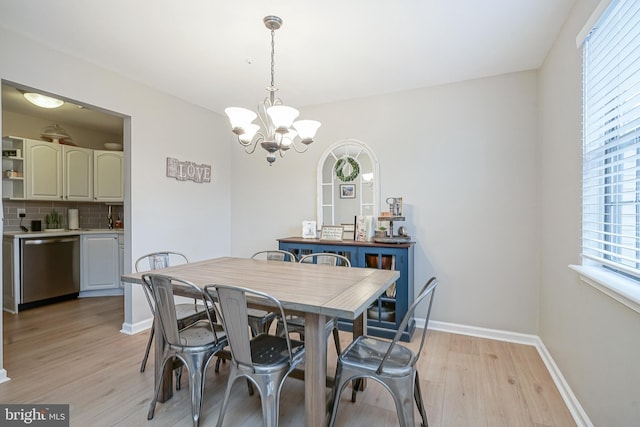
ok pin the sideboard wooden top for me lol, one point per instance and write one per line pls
(345, 242)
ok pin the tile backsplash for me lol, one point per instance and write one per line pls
(90, 215)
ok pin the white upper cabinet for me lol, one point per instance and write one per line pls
(49, 171)
(78, 173)
(44, 170)
(108, 176)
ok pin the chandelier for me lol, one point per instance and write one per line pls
(279, 132)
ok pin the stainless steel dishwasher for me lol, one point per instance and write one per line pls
(49, 270)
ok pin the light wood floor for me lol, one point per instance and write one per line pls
(73, 353)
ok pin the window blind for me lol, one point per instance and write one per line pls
(611, 162)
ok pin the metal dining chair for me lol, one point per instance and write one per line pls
(186, 313)
(260, 320)
(194, 345)
(296, 323)
(389, 363)
(265, 360)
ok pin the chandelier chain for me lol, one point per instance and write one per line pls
(273, 61)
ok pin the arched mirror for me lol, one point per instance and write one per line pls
(348, 183)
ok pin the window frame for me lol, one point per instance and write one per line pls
(611, 260)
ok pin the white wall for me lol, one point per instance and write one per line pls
(592, 338)
(464, 159)
(160, 212)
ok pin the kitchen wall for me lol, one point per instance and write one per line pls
(17, 124)
(593, 339)
(90, 215)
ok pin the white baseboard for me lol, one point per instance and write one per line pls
(577, 412)
(134, 328)
(101, 293)
(3, 376)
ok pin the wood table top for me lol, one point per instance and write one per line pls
(328, 290)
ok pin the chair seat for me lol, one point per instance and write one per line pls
(266, 315)
(366, 353)
(199, 335)
(186, 310)
(295, 322)
(270, 352)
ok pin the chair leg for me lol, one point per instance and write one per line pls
(178, 372)
(402, 393)
(270, 407)
(355, 388)
(280, 328)
(417, 395)
(143, 365)
(338, 386)
(196, 370)
(233, 375)
(152, 406)
(336, 338)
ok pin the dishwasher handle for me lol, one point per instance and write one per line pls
(50, 240)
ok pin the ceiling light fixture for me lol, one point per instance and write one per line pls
(280, 130)
(43, 100)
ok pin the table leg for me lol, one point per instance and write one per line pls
(315, 370)
(166, 392)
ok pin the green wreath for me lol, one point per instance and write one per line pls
(340, 166)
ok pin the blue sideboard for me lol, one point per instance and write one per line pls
(383, 317)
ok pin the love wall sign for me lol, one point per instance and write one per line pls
(188, 171)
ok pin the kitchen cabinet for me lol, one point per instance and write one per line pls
(386, 314)
(10, 274)
(43, 170)
(58, 172)
(121, 257)
(108, 176)
(77, 169)
(13, 169)
(100, 262)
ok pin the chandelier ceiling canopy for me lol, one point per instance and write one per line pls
(278, 131)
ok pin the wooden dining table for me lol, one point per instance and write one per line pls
(317, 292)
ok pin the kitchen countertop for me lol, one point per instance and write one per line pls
(31, 234)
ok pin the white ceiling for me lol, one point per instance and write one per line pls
(216, 53)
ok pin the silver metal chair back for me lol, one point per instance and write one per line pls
(296, 323)
(158, 260)
(326, 259)
(265, 360)
(275, 255)
(427, 292)
(194, 345)
(389, 363)
(186, 313)
(260, 320)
